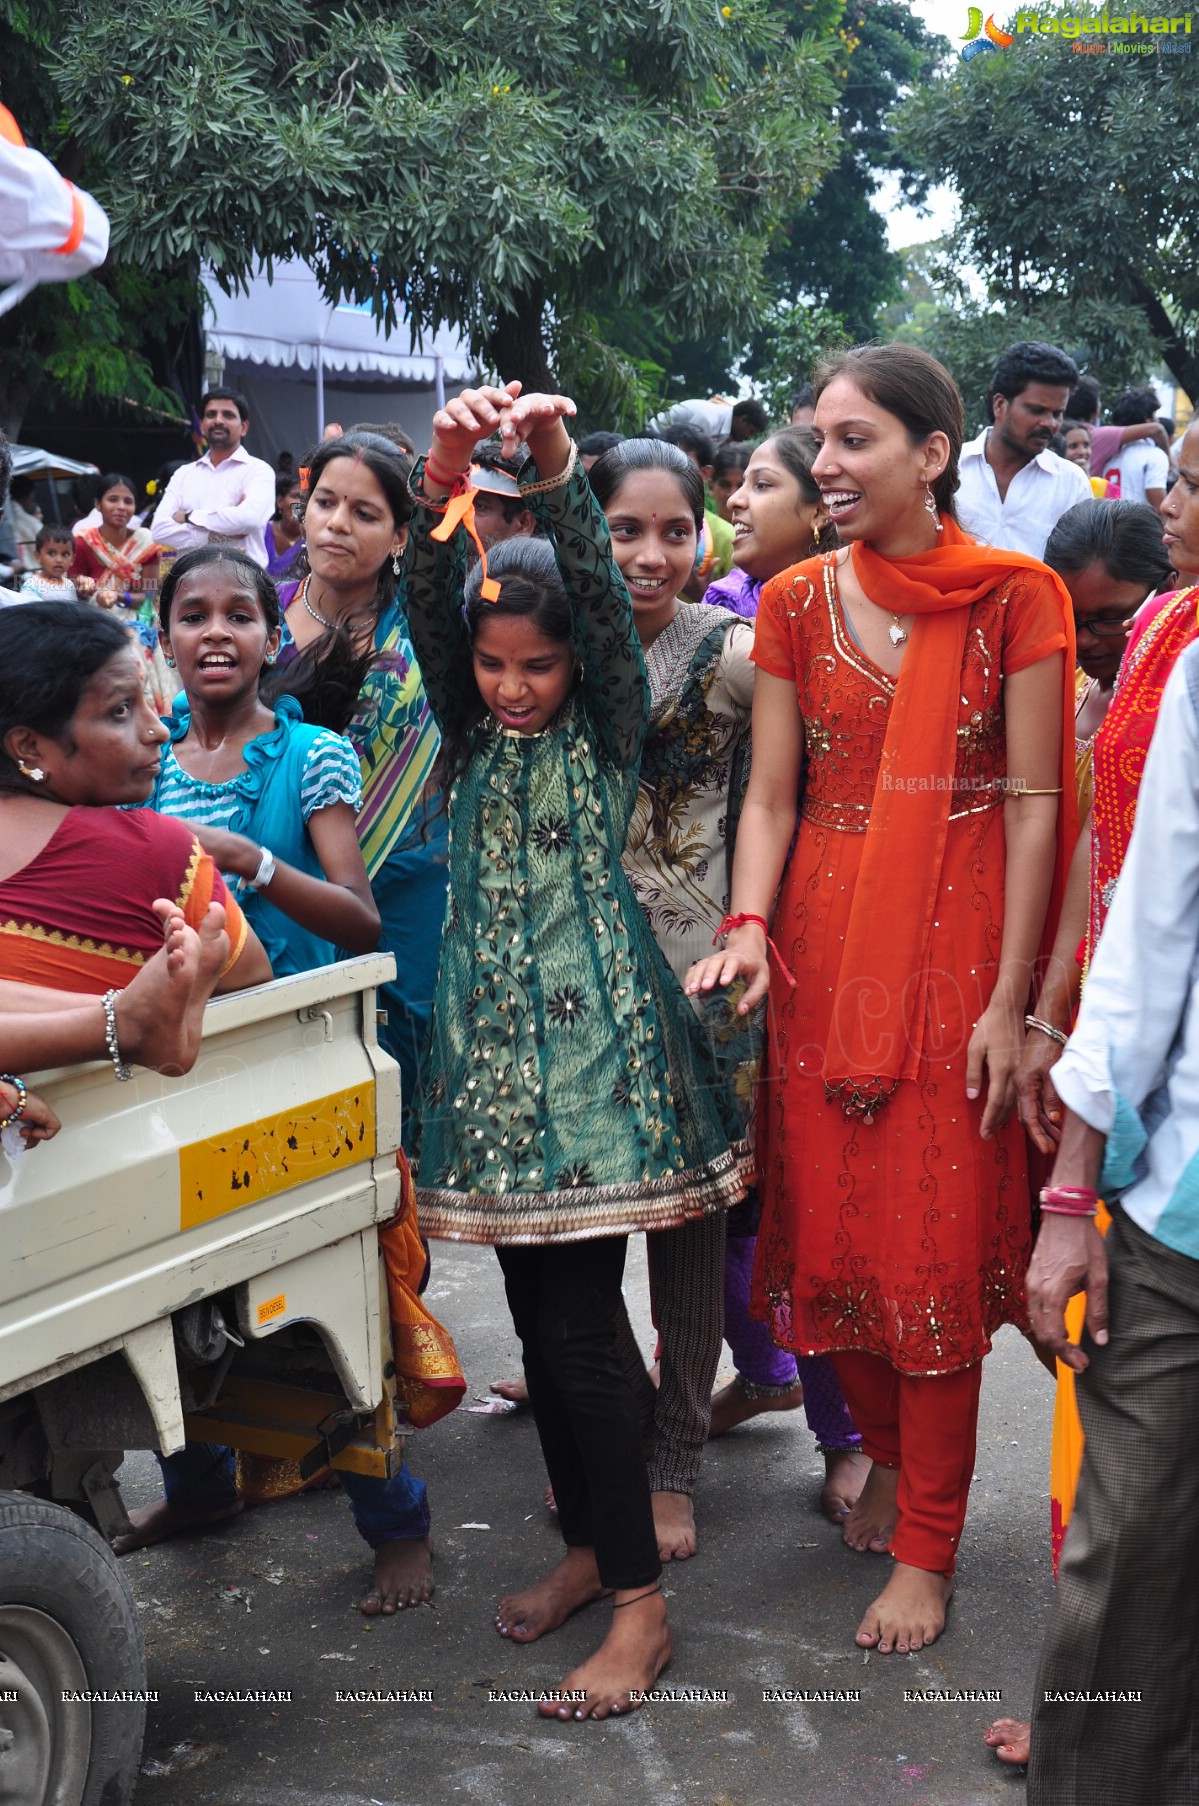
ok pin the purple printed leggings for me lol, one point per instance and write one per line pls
(762, 1363)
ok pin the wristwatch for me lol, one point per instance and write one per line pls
(265, 872)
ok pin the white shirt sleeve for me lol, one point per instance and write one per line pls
(253, 511)
(50, 231)
(166, 530)
(1139, 985)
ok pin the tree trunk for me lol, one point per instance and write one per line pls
(1180, 354)
(16, 393)
(516, 346)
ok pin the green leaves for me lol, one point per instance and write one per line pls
(1079, 192)
(452, 161)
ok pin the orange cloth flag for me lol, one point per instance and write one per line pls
(429, 1381)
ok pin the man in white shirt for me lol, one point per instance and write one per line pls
(224, 498)
(1141, 468)
(1014, 490)
(718, 418)
(1114, 1717)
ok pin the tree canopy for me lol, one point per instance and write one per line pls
(1079, 196)
(485, 169)
(834, 250)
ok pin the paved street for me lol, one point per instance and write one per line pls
(771, 1600)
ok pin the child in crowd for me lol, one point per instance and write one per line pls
(728, 472)
(271, 798)
(568, 1100)
(54, 548)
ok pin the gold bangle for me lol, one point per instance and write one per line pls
(1028, 790)
(560, 481)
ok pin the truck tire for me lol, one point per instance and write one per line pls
(67, 1621)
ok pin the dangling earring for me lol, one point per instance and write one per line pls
(930, 502)
(396, 566)
(33, 772)
(816, 531)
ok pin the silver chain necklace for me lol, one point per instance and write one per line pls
(309, 607)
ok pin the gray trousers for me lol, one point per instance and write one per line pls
(1126, 1616)
(687, 1286)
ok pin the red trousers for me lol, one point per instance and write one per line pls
(926, 1426)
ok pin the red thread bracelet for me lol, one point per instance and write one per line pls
(741, 921)
(448, 479)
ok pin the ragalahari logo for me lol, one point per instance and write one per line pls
(979, 39)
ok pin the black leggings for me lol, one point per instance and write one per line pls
(564, 1298)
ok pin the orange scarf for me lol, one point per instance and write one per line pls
(878, 1023)
(428, 1377)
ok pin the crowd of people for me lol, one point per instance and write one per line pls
(744, 809)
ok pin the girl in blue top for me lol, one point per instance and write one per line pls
(270, 797)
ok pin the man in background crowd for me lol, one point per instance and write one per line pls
(1141, 467)
(224, 498)
(1014, 489)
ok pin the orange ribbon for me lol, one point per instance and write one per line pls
(460, 511)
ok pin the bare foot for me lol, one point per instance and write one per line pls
(624, 1667)
(403, 1576)
(870, 1524)
(574, 1583)
(517, 1390)
(674, 1525)
(733, 1405)
(160, 1013)
(908, 1614)
(845, 1474)
(1009, 1738)
(157, 1523)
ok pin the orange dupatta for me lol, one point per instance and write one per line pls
(882, 990)
(428, 1377)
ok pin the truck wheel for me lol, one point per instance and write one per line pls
(68, 1622)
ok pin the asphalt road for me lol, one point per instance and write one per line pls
(771, 1600)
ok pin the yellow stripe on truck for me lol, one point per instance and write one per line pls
(227, 1172)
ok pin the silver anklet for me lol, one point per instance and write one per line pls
(119, 1066)
(752, 1389)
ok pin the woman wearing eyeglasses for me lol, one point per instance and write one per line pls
(1111, 557)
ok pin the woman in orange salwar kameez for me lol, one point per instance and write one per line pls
(917, 683)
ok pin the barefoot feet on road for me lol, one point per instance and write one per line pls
(515, 1391)
(674, 1525)
(157, 1523)
(846, 1472)
(533, 1613)
(869, 1525)
(1009, 1738)
(624, 1667)
(733, 1405)
(908, 1614)
(403, 1577)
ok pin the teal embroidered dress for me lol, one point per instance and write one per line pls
(567, 1091)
